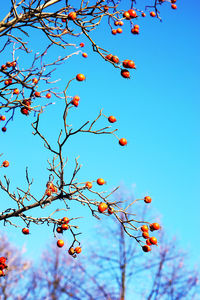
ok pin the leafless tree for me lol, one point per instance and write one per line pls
(58, 20)
(115, 268)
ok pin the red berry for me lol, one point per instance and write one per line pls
(88, 184)
(37, 94)
(59, 230)
(152, 14)
(147, 199)
(119, 30)
(4, 129)
(110, 210)
(48, 192)
(65, 220)
(102, 207)
(78, 250)
(16, 92)
(71, 251)
(146, 248)
(35, 80)
(114, 31)
(25, 231)
(115, 59)
(144, 228)
(82, 45)
(123, 142)
(5, 163)
(126, 15)
(2, 118)
(132, 13)
(77, 98)
(135, 30)
(60, 243)
(72, 16)
(75, 102)
(24, 111)
(154, 226)
(143, 15)
(64, 226)
(130, 64)
(112, 119)
(100, 181)
(153, 240)
(48, 95)
(145, 235)
(173, 6)
(80, 77)
(148, 242)
(125, 73)
(84, 55)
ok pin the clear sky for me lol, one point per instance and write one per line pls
(157, 110)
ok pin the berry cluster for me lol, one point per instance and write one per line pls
(3, 265)
(149, 240)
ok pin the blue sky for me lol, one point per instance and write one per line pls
(157, 111)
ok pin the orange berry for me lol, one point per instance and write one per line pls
(24, 111)
(125, 73)
(77, 98)
(147, 199)
(119, 30)
(65, 220)
(132, 13)
(48, 192)
(152, 14)
(72, 16)
(75, 102)
(60, 243)
(145, 235)
(2, 118)
(148, 242)
(100, 181)
(115, 59)
(84, 55)
(78, 250)
(153, 240)
(59, 230)
(5, 163)
(35, 80)
(80, 77)
(64, 226)
(16, 92)
(102, 207)
(48, 95)
(112, 119)
(37, 94)
(25, 231)
(144, 228)
(131, 64)
(110, 210)
(114, 31)
(173, 6)
(71, 251)
(154, 226)
(123, 142)
(88, 184)
(146, 248)
(126, 15)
